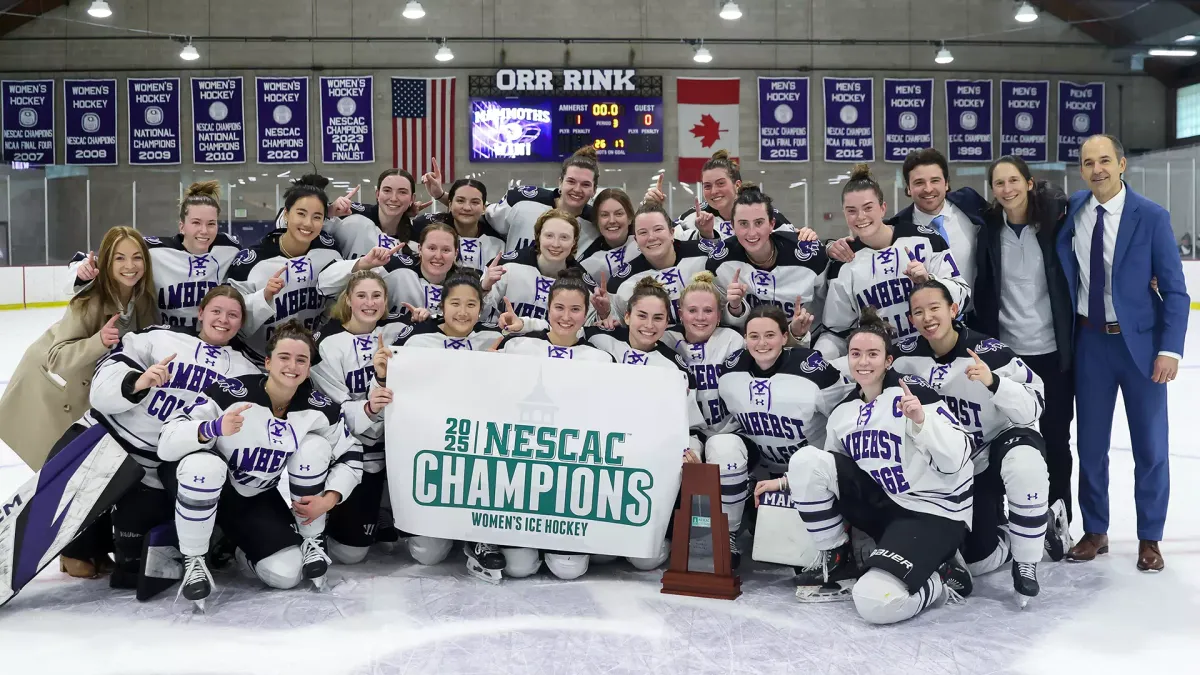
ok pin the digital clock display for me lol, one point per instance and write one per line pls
(552, 129)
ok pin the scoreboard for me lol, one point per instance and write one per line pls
(550, 129)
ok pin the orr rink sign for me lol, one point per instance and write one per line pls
(563, 455)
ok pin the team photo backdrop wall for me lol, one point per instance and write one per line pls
(554, 454)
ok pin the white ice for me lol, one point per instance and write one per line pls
(393, 616)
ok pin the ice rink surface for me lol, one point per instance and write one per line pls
(390, 615)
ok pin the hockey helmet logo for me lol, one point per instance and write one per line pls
(529, 191)
(907, 344)
(760, 393)
(152, 240)
(807, 250)
(319, 400)
(634, 358)
(510, 255)
(232, 386)
(245, 256)
(814, 363)
(989, 345)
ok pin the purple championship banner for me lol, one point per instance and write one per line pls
(907, 117)
(91, 121)
(27, 120)
(281, 106)
(849, 119)
(783, 119)
(347, 120)
(969, 120)
(154, 120)
(1080, 114)
(1025, 119)
(218, 120)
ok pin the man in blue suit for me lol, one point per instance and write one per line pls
(1127, 336)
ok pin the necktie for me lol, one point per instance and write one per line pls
(1096, 276)
(939, 224)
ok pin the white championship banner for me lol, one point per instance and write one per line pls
(541, 453)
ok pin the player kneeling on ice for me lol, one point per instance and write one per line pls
(896, 466)
(231, 451)
(998, 400)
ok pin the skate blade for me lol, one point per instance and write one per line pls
(484, 574)
(837, 591)
(1023, 600)
(319, 584)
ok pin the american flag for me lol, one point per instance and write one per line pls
(423, 124)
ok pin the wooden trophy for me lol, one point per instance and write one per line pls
(704, 480)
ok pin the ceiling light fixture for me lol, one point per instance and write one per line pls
(730, 11)
(1026, 13)
(413, 10)
(702, 54)
(100, 9)
(943, 56)
(1173, 52)
(189, 52)
(443, 52)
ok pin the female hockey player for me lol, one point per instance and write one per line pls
(230, 449)
(896, 465)
(525, 276)
(342, 370)
(765, 267)
(615, 245)
(358, 228)
(148, 377)
(896, 259)
(779, 398)
(187, 265)
(669, 261)
(516, 214)
(478, 244)
(704, 345)
(568, 300)
(712, 219)
(293, 271)
(415, 283)
(997, 398)
(458, 328)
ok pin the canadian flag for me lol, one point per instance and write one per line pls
(708, 121)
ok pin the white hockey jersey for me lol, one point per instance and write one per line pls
(799, 272)
(927, 469)
(876, 279)
(602, 260)
(406, 283)
(135, 419)
(705, 360)
(429, 335)
(538, 344)
(355, 235)
(516, 214)
(258, 455)
(685, 224)
(690, 257)
(1016, 398)
(616, 343)
(473, 252)
(785, 408)
(310, 283)
(525, 286)
(343, 368)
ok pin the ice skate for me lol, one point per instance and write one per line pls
(830, 578)
(314, 562)
(197, 583)
(956, 580)
(1058, 532)
(484, 561)
(1025, 582)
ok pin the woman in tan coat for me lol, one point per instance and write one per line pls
(49, 390)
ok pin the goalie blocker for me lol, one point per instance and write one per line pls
(86, 473)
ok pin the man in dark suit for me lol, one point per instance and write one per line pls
(1127, 336)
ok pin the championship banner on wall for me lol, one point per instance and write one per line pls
(27, 121)
(347, 120)
(849, 119)
(1080, 114)
(91, 121)
(570, 456)
(153, 120)
(709, 116)
(907, 117)
(281, 109)
(969, 120)
(783, 119)
(1025, 119)
(218, 121)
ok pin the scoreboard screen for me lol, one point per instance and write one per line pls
(552, 129)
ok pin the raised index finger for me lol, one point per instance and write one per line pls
(242, 408)
(279, 274)
(736, 275)
(353, 192)
(113, 320)
(508, 306)
(437, 169)
(975, 356)
(904, 386)
(167, 360)
(658, 183)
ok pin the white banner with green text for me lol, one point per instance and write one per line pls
(535, 452)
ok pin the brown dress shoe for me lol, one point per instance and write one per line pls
(80, 569)
(1149, 557)
(1090, 546)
